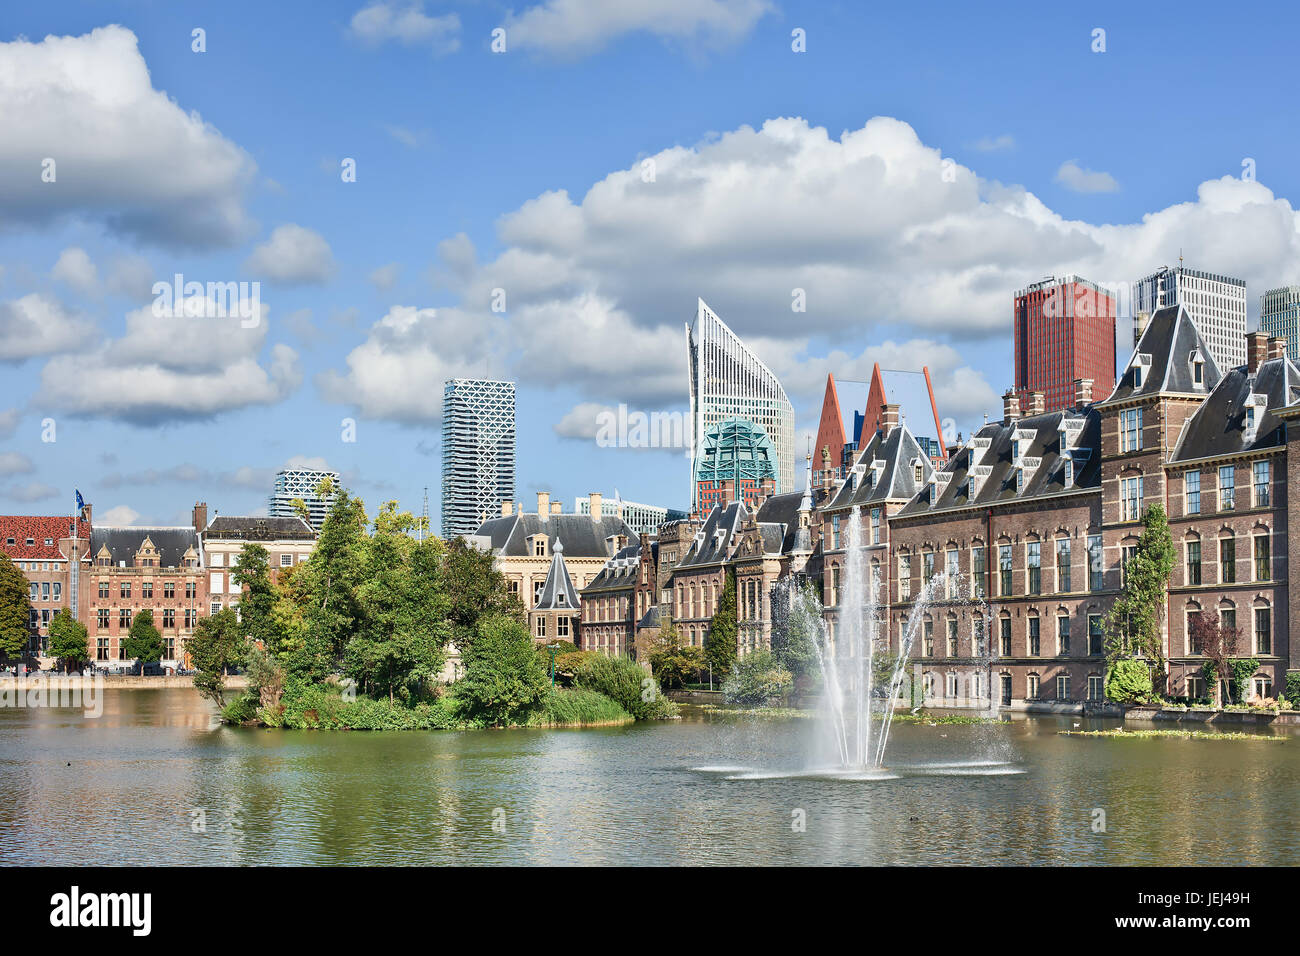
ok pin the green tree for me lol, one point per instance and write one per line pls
(143, 642)
(672, 663)
(1128, 681)
(720, 645)
(15, 608)
(798, 631)
(330, 582)
(69, 641)
(252, 572)
(504, 681)
(756, 679)
(475, 589)
(215, 646)
(1134, 626)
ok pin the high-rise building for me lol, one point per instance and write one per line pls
(643, 519)
(1215, 303)
(735, 462)
(729, 381)
(303, 483)
(1064, 330)
(1279, 316)
(478, 452)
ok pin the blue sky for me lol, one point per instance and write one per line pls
(775, 170)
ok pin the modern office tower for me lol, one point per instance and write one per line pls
(729, 381)
(1215, 303)
(640, 518)
(302, 483)
(1064, 330)
(478, 452)
(736, 462)
(1279, 315)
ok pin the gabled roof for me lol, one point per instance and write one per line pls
(123, 543)
(558, 593)
(38, 528)
(619, 572)
(1042, 433)
(1219, 425)
(897, 480)
(1170, 340)
(255, 528)
(583, 537)
(715, 541)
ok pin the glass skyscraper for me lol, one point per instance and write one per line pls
(302, 483)
(478, 452)
(1279, 314)
(1215, 303)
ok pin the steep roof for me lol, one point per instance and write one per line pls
(894, 480)
(558, 592)
(1170, 342)
(583, 537)
(37, 528)
(983, 471)
(255, 528)
(715, 540)
(123, 543)
(1219, 425)
(619, 572)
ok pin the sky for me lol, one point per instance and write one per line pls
(541, 190)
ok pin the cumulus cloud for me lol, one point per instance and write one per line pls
(125, 155)
(385, 277)
(14, 463)
(1077, 179)
(118, 516)
(292, 255)
(75, 268)
(582, 421)
(575, 27)
(994, 144)
(407, 24)
(171, 369)
(37, 325)
(32, 492)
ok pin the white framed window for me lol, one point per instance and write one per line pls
(286, 560)
(1130, 500)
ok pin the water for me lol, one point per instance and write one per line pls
(678, 792)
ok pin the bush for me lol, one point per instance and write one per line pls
(323, 707)
(242, 710)
(582, 706)
(1293, 687)
(504, 681)
(1129, 681)
(757, 679)
(627, 683)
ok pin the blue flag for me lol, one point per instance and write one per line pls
(81, 505)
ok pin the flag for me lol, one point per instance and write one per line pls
(81, 504)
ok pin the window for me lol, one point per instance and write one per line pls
(1094, 634)
(875, 526)
(905, 577)
(1004, 568)
(1263, 631)
(977, 636)
(539, 628)
(146, 589)
(1063, 687)
(101, 648)
(215, 607)
(1137, 376)
(1192, 492)
(169, 617)
(1130, 498)
(169, 589)
(286, 560)
(124, 589)
(835, 531)
(169, 648)
(189, 618)
(951, 684)
(1196, 688)
(124, 619)
(835, 586)
(1193, 562)
(1094, 562)
(1063, 635)
(562, 627)
(977, 571)
(1034, 561)
(539, 547)
(34, 591)
(1263, 687)
(1096, 687)
(927, 566)
(1031, 687)
(1035, 644)
(102, 619)
(1063, 565)
(1126, 554)
(954, 574)
(1004, 636)
(1130, 430)
(1228, 618)
(952, 637)
(1227, 488)
(1263, 564)
(927, 633)
(537, 592)
(1228, 560)
(1261, 484)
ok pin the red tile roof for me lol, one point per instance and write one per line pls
(38, 528)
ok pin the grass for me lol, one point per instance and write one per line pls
(1144, 734)
(581, 707)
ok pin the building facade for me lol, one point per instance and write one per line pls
(302, 484)
(49, 551)
(478, 452)
(734, 462)
(1064, 330)
(1279, 317)
(1216, 304)
(643, 519)
(288, 542)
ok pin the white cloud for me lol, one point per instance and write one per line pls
(75, 268)
(118, 516)
(407, 24)
(15, 463)
(32, 492)
(38, 325)
(132, 278)
(126, 155)
(581, 420)
(293, 254)
(994, 144)
(385, 277)
(574, 27)
(1077, 179)
(9, 422)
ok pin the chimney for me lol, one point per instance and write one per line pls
(888, 417)
(1256, 350)
(594, 500)
(1140, 325)
(507, 507)
(1036, 403)
(543, 504)
(1082, 392)
(1010, 407)
(557, 507)
(200, 515)
(1276, 347)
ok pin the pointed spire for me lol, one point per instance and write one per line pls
(806, 503)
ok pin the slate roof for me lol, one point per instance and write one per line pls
(38, 528)
(124, 542)
(714, 542)
(619, 572)
(255, 528)
(897, 479)
(558, 593)
(999, 486)
(651, 617)
(582, 537)
(1219, 426)
(1170, 340)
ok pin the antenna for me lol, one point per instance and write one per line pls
(425, 520)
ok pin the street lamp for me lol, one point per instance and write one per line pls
(553, 648)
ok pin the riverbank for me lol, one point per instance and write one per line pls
(117, 681)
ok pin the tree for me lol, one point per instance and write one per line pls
(672, 663)
(757, 679)
(15, 609)
(330, 582)
(504, 681)
(1128, 681)
(1134, 626)
(475, 589)
(720, 645)
(215, 645)
(69, 641)
(143, 642)
(252, 572)
(797, 630)
(1219, 645)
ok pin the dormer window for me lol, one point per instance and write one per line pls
(918, 470)
(1198, 372)
(1250, 418)
(1069, 472)
(1137, 376)
(1020, 480)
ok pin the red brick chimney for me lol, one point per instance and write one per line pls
(1256, 350)
(1035, 402)
(1276, 347)
(1010, 407)
(888, 417)
(200, 515)
(1082, 392)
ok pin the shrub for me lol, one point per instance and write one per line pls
(580, 706)
(756, 678)
(504, 681)
(241, 710)
(1129, 681)
(1293, 687)
(627, 683)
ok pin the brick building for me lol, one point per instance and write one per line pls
(48, 550)
(1064, 330)
(288, 542)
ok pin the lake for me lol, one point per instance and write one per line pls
(153, 781)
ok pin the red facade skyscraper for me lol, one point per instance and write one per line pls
(1065, 330)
